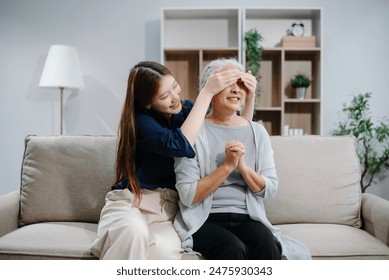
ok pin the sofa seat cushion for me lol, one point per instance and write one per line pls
(63, 240)
(332, 241)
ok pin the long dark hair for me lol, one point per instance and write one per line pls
(143, 85)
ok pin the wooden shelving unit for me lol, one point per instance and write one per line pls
(186, 66)
(190, 38)
(277, 106)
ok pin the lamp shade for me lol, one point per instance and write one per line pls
(62, 68)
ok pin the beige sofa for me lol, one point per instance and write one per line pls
(64, 180)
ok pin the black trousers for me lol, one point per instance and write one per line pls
(230, 236)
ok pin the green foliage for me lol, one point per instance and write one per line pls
(300, 80)
(253, 50)
(373, 140)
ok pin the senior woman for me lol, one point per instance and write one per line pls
(222, 215)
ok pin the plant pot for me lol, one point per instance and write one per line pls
(301, 92)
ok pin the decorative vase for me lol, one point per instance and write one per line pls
(301, 92)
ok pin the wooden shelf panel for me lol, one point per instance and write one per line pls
(303, 62)
(303, 116)
(187, 64)
(209, 55)
(185, 67)
(271, 120)
(197, 28)
(306, 100)
(286, 49)
(202, 49)
(264, 109)
(270, 79)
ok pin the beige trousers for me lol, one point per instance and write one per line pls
(145, 232)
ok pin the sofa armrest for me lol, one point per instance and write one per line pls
(375, 216)
(9, 211)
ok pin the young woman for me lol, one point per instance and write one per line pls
(155, 126)
(222, 189)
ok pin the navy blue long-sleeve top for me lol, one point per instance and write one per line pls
(158, 140)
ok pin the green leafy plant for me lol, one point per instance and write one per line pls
(300, 80)
(372, 140)
(253, 50)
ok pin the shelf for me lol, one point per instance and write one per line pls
(268, 108)
(277, 105)
(270, 79)
(202, 49)
(200, 28)
(302, 50)
(209, 55)
(304, 116)
(270, 120)
(303, 62)
(185, 67)
(306, 100)
(273, 23)
(191, 38)
(187, 64)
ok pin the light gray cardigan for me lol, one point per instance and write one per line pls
(189, 170)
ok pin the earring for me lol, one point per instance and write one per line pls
(148, 107)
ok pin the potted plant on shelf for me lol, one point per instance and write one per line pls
(254, 53)
(300, 82)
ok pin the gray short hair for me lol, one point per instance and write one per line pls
(215, 64)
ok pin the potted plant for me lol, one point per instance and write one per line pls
(300, 82)
(253, 50)
(254, 53)
(372, 139)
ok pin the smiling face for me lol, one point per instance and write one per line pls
(231, 99)
(167, 100)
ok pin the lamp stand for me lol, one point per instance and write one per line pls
(61, 89)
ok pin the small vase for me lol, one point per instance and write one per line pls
(301, 92)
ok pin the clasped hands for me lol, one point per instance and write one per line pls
(234, 152)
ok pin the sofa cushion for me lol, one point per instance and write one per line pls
(318, 181)
(49, 241)
(65, 178)
(331, 241)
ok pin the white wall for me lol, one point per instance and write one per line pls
(111, 36)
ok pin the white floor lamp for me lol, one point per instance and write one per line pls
(62, 70)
